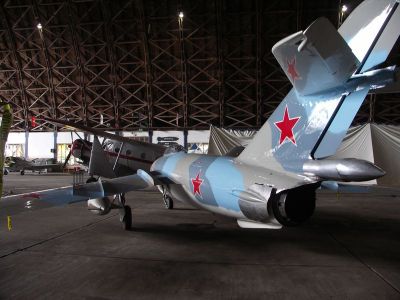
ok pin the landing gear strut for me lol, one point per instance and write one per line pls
(126, 217)
(168, 202)
(125, 213)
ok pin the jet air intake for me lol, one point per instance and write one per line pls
(348, 169)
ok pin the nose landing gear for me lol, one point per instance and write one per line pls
(125, 213)
(125, 217)
(168, 202)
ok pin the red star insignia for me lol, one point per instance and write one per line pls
(291, 69)
(196, 182)
(286, 127)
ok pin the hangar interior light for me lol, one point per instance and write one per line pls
(344, 8)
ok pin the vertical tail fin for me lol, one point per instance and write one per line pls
(314, 117)
(316, 59)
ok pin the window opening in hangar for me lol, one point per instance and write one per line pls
(62, 153)
(200, 148)
(15, 150)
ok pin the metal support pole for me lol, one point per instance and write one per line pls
(220, 54)
(259, 53)
(119, 154)
(147, 63)
(185, 138)
(26, 144)
(150, 136)
(184, 80)
(55, 145)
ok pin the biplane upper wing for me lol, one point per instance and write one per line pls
(154, 147)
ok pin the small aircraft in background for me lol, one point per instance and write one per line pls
(19, 164)
(126, 155)
(273, 181)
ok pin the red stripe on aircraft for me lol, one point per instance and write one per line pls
(32, 195)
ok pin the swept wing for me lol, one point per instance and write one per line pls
(11, 205)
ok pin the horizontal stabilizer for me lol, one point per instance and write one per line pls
(316, 59)
(371, 30)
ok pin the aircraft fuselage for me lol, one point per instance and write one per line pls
(215, 183)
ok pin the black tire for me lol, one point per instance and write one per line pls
(5, 172)
(127, 219)
(91, 179)
(22, 172)
(168, 202)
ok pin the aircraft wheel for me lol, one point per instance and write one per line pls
(91, 179)
(168, 202)
(22, 172)
(127, 218)
(5, 172)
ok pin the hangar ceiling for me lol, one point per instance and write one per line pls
(135, 64)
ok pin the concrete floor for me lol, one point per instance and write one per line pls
(349, 249)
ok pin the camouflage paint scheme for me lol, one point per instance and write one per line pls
(316, 113)
(222, 180)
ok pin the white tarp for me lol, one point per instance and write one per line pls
(357, 144)
(386, 143)
(223, 140)
(379, 144)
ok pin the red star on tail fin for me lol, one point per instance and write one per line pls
(291, 69)
(286, 127)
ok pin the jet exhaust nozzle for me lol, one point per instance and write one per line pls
(348, 169)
